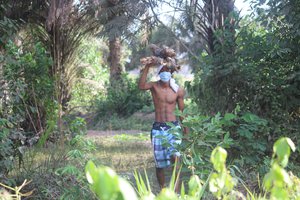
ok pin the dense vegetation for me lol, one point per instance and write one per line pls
(64, 64)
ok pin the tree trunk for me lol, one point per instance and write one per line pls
(114, 60)
(2, 85)
(53, 25)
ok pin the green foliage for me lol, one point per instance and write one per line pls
(78, 126)
(262, 72)
(123, 98)
(220, 183)
(107, 185)
(126, 137)
(29, 85)
(244, 135)
(9, 145)
(278, 182)
(251, 134)
(213, 88)
(27, 101)
(92, 76)
(8, 27)
(56, 170)
(143, 190)
(281, 185)
(204, 134)
(73, 185)
(195, 187)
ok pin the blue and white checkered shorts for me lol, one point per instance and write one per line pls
(164, 143)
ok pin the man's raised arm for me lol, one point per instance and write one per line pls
(143, 85)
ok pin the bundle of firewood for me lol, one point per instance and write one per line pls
(161, 56)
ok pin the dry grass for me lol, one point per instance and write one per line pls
(125, 153)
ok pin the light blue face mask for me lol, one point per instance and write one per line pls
(165, 76)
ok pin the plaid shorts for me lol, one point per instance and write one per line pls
(164, 143)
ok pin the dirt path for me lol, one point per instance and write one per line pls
(97, 133)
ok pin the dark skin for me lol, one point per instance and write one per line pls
(165, 101)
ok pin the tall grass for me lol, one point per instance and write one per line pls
(123, 123)
(57, 170)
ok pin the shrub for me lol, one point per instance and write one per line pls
(55, 171)
(123, 98)
(262, 75)
(12, 144)
(244, 135)
(30, 88)
(27, 103)
(277, 181)
(106, 184)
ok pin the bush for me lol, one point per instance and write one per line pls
(27, 101)
(262, 75)
(123, 98)
(244, 135)
(278, 184)
(56, 171)
(12, 144)
(30, 88)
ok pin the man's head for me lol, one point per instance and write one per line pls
(165, 73)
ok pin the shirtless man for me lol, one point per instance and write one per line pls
(165, 99)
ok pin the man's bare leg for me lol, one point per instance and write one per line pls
(160, 177)
(176, 159)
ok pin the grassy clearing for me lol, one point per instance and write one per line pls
(57, 171)
(138, 121)
(53, 174)
(125, 154)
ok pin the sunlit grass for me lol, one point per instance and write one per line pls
(123, 123)
(124, 152)
(126, 137)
